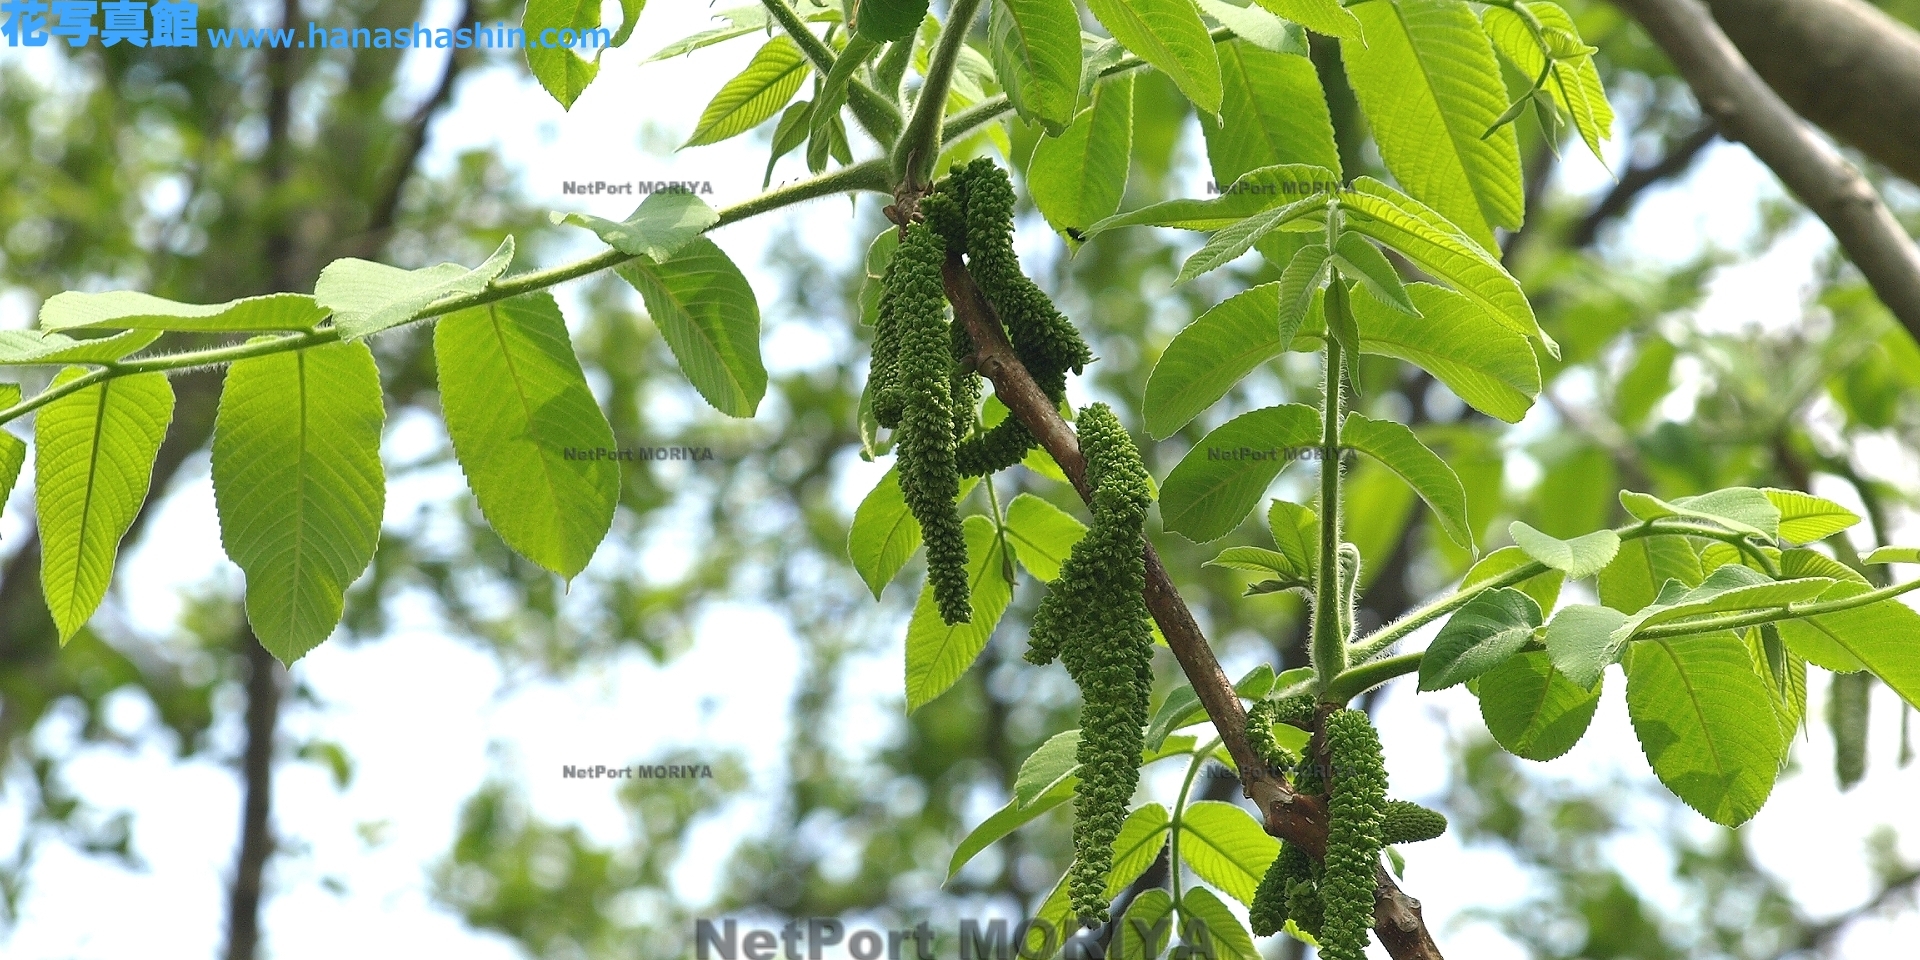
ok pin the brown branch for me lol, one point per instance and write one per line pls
(1748, 110)
(1294, 817)
(1844, 64)
(1638, 179)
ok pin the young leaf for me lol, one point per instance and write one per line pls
(1693, 702)
(1893, 555)
(1226, 847)
(1582, 640)
(1208, 921)
(1256, 26)
(1042, 535)
(1301, 282)
(1227, 245)
(884, 21)
(1740, 509)
(1035, 48)
(1146, 927)
(1296, 532)
(937, 654)
(707, 313)
(1437, 247)
(1544, 588)
(1261, 560)
(1224, 476)
(831, 94)
(1579, 558)
(1137, 846)
(1272, 112)
(13, 450)
(37, 348)
(740, 21)
(1395, 446)
(561, 71)
(129, 310)
(1052, 766)
(1321, 16)
(656, 229)
(1430, 88)
(629, 18)
(526, 429)
(1169, 35)
(1805, 518)
(368, 297)
(1003, 822)
(94, 451)
(1364, 262)
(1531, 710)
(1478, 637)
(1078, 177)
(1882, 637)
(299, 486)
(884, 534)
(751, 98)
(1482, 361)
(1206, 359)
(1633, 579)
(1574, 85)
(1254, 192)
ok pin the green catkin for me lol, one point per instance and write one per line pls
(1356, 811)
(1094, 618)
(1045, 340)
(925, 435)
(1304, 906)
(1269, 912)
(883, 372)
(1407, 822)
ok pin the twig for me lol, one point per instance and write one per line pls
(1750, 112)
(1294, 817)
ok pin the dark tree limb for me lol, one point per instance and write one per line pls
(1294, 817)
(1638, 179)
(1844, 64)
(264, 675)
(1749, 111)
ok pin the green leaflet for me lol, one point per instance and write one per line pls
(1395, 446)
(368, 297)
(1430, 88)
(1320, 16)
(769, 80)
(1574, 85)
(1078, 177)
(561, 71)
(1211, 355)
(1035, 48)
(1226, 847)
(1481, 360)
(1296, 532)
(1272, 111)
(1257, 27)
(1740, 509)
(1044, 782)
(1230, 242)
(1578, 558)
(1582, 640)
(299, 486)
(1478, 637)
(1633, 579)
(1042, 535)
(1169, 35)
(1532, 710)
(656, 229)
(33, 348)
(1882, 637)
(937, 654)
(1437, 247)
(94, 451)
(1805, 518)
(629, 18)
(129, 310)
(884, 534)
(1894, 555)
(527, 429)
(1693, 702)
(1043, 939)
(1224, 476)
(1206, 919)
(1255, 191)
(707, 313)
(888, 20)
(1363, 261)
(1544, 589)
(740, 21)
(13, 450)
(1147, 927)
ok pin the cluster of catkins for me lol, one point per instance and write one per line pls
(1094, 618)
(924, 390)
(1333, 901)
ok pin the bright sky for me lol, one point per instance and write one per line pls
(427, 718)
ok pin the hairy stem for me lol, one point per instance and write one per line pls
(1329, 646)
(874, 111)
(919, 144)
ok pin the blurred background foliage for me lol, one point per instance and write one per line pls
(205, 175)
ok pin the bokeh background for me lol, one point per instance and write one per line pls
(167, 791)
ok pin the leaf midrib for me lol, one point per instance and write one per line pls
(86, 502)
(526, 406)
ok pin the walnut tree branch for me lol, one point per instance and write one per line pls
(1749, 111)
(1294, 817)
